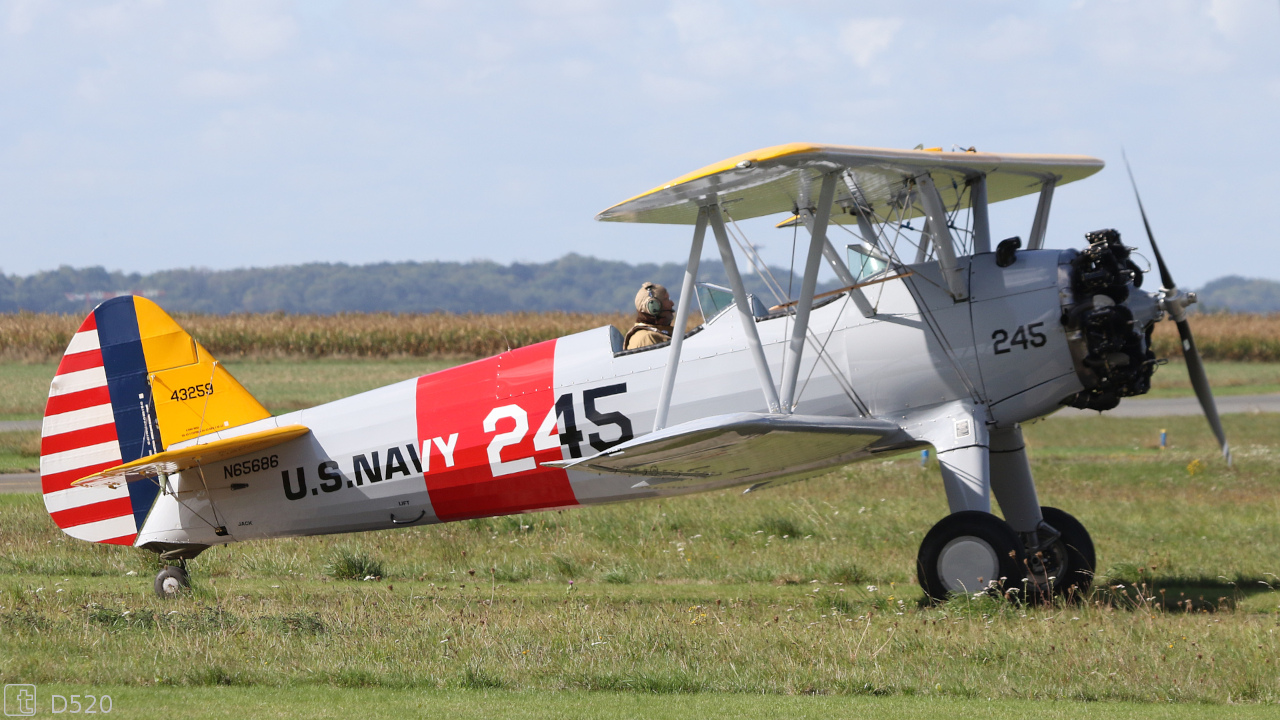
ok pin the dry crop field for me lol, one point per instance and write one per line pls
(37, 337)
(1225, 336)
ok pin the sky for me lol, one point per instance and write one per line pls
(149, 134)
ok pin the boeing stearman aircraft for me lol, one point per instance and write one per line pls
(149, 441)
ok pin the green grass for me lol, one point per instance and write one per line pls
(281, 385)
(1226, 378)
(285, 385)
(24, 388)
(795, 601)
(702, 597)
(323, 702)
(20, 451)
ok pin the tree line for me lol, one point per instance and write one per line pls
(573, 283)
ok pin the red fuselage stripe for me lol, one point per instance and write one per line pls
(495, 469)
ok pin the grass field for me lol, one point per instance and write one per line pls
(281, 385)
(284, 385)
(323, 702)
(799, 601)
(1226, 378)
(708, 601)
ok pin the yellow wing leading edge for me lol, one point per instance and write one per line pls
(785, 177)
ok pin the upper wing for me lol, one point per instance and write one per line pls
(743, 447)
(172, 461)
(784, 177)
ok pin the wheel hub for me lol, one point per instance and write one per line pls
(968, 564)
(1047, 567)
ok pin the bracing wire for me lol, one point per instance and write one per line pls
(910, 283)
(791, 278)
(757, 263)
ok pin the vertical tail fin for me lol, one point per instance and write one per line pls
(131, 383)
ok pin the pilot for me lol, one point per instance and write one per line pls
(654, 315)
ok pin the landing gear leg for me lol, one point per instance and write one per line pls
(1011, 481)
(970, 550)
(172, 580)
(1059, 552)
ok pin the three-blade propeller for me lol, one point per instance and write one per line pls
(1175, 303)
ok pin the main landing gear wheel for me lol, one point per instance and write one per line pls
(967, 551)
(1066, 566)
(172, 581)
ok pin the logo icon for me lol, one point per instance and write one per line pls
(19, 700)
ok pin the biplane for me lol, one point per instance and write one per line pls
(937, 338)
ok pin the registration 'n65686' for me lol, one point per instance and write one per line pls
(246, 467)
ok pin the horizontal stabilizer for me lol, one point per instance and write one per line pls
(741, 448)
(173, 461)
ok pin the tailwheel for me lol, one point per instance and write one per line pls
(172, 581)
(1060, 558)
(969, 552)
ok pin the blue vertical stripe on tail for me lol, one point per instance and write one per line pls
(135, 417)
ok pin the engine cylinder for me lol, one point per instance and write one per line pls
(1111, 350)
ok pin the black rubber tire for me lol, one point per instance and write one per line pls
(987, 529)
(1080, 559)
(171, 582)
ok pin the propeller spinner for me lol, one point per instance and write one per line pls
(1175, 304)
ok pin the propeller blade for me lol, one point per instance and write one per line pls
(1165, 277)
(1195, 368)
(1200, 382)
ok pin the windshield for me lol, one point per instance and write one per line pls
(865, 261)
(713, 300)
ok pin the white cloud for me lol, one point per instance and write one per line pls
(422, 100)
(865, 38)
(1013, 39)
(95, 84)
(676, 90)
(252, 29)
(22, 16)
(220, 85)
(1235, 17)
(108, 19)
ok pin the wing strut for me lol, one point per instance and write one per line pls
(817, 240)
(1041, 223)
(744, 307)
(682, 319)
(981, 224)
(869, 234)
(940, 234)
